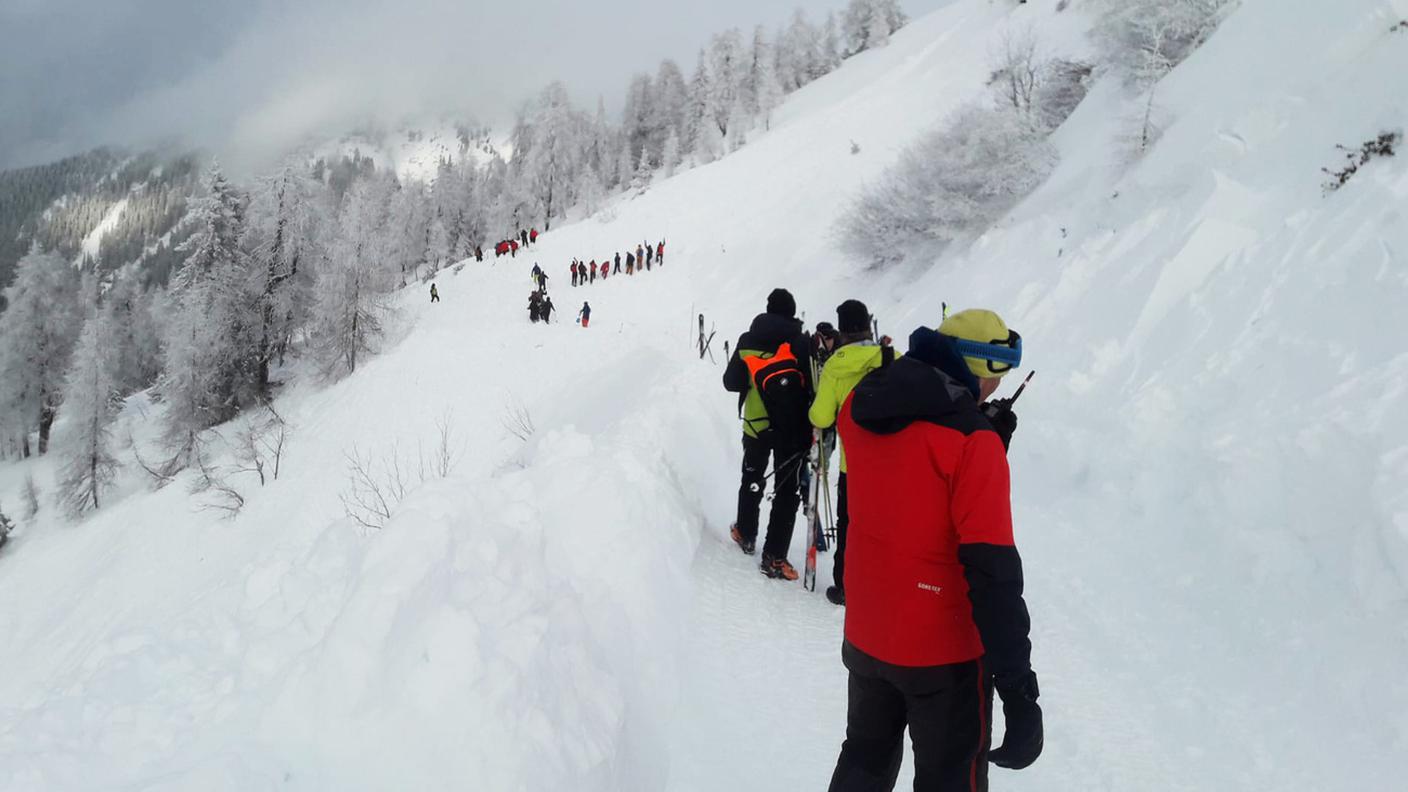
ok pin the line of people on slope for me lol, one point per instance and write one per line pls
(644, 257)
(509, 247)
(925, 561)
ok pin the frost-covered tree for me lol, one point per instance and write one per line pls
(559, 137)
(353, 283)
(625, 167)
(799, 53)
(37, 334)
(1016, 69)
(669, 108)
(283, 235)
(737, 135)
(91, 400)
(698, 112)
(1062, 87)
(709, 145)
(408, 220)
(830, 47)
(868, 23)
(590, 192)
(6, 526)
(639, 114)
(136, 332)
(437, 246)
(1145, 39)
(728, 69)
(764, 90)
(641, 179)
(211, 351)
(670, 156)
(955, 180)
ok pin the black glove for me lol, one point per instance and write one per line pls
(1022, 743)
(1004, 421)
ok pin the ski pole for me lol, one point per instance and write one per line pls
(1022, 387)
(759, 486)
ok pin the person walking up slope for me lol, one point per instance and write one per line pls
(768, 371)
(584, 316)
(856, 355)
(935, 618)
(434, 294)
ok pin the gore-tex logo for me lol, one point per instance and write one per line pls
(931, 587)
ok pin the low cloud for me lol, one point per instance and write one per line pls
(251, 78)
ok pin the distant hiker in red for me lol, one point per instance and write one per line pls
(660, 253)
(584, 316)
(533, 236)
(935, 619)
(513, 250)
(593, 272)
(605, 269)
(574, 272)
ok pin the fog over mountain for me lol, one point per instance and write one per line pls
(248, 79)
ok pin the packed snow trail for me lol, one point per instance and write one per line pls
(1208, 476)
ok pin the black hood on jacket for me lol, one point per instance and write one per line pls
(917, 388)
(772, 330)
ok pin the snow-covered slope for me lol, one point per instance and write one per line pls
(1209, 476)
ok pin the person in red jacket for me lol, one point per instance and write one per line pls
(935, 619)
(513, 249)
(574, 272)
(593, 272)
(533, 236)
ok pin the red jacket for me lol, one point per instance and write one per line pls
(533, 235)
(932, 576)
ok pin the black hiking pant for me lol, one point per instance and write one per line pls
(843, 522)
(947, 708)
(787, 493)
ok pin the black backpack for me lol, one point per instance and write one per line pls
(782, 386)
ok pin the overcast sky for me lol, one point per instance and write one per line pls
(250, 77)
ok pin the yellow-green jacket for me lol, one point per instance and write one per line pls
(838, 377)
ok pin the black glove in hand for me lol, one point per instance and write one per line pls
(1004, 421)
(1022, 743)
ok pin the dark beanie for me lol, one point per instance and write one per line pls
(852, 317)
(780, 302)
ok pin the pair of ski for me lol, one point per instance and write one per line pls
(818, 495)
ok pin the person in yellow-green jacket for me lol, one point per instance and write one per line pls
(856, 355)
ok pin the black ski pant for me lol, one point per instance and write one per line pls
(843, 522)
(947, 708)
(787, 492)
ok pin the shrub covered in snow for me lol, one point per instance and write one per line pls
(1145, 39)
(956, 179)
